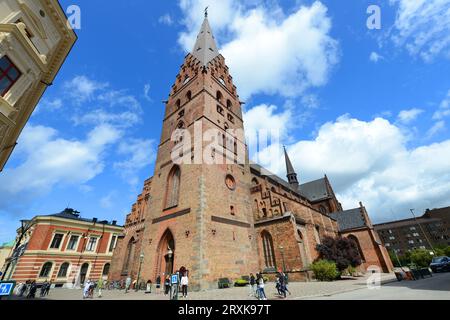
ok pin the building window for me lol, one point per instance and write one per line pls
(230, 118)
(222, 82)
(106, 269)
(317, 234)
(173, 187)
(220, 110)
(73, 241)
(412, 228)
(178, 104)
(358, 246)
(62, 273)
(45, 271)
(9, 74)
(269, 254)
(229, 104)
(415, 234)
(112, 244)
(232, 211)
(56, 242)
(92, 244)
(129, 255)
(323, 209)
(391, 238)
(219, 96)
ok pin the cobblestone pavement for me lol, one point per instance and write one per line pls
(298, 290)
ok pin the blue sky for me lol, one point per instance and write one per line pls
(367, 107)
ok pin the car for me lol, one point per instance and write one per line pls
(439, 264)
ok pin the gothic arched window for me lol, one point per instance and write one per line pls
(219, 96)
(173, 187)
(106, 269)
(269, 254)
(128, 256)
(229, 104)
(189, 95)
(356, 241)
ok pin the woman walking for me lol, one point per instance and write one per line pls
(260, 284)
(184, 284)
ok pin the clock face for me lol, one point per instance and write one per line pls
(230, 182)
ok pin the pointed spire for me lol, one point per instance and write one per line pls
(291, 174)
(205, 48)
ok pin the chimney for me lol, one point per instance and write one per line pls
(94, 220)
(114, 222)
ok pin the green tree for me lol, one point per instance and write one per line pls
(421, 257)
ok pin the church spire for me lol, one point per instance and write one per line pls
(291, 175)
(205, 48)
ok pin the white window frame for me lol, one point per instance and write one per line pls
(76, 244)
(96, 244)
(109, 242)
(53, 238)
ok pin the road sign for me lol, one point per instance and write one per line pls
(174, 279)
(6, 288)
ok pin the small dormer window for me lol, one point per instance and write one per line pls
(9, 74)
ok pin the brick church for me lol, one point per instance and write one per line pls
(229, 218)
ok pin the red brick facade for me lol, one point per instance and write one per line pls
(66, 251)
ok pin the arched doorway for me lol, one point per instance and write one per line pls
(166, 254)
(83, 272)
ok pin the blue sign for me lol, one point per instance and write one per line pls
(174, 279)
(6, 288)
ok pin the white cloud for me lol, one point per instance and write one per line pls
(423, 27)
(107, 202)
(82, 88)
(408, 116)
(52, 161)
(370, 161)
(375, 57)
(436, 128)
(166, 19)
(140, 154)
(124, 119)
(147, 92)
(444, 108)
(299, 55)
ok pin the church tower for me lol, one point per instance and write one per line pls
(200, 212)
(291, 174)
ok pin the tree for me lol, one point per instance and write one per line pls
(343, 251)
(421, 257)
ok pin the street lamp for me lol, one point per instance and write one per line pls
(141, 259)
(282, 257)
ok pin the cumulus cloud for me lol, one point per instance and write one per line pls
(140, 152)
(423, 27)
(300, 54)
(370, 161)
(408, 116)
(166, 19)
(57, 161)
(375, 57)
(444, 108)
(82, 89)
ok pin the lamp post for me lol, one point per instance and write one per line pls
(282, 257)
(141, 259)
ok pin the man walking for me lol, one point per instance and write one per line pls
(252, 285)
(100, 287)
(127, 284)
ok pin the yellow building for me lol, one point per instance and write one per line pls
(35, 39)
(5, 251)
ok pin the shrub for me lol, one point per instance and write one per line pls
(325, 270)
(343, 251)
(421, 257)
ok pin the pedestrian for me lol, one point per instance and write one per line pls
(281, 285)
(22, 289)
(127, 284)
(167, 285)
(91, 289)
(285, 278)
(100, 287)
(184, 284)
(47, 288)
(32, 291)
(86, 288)
(260, 284)
(148, 288)
(43, 287)
(158, 283)
(252, 285)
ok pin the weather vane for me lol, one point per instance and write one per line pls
(206, 12)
